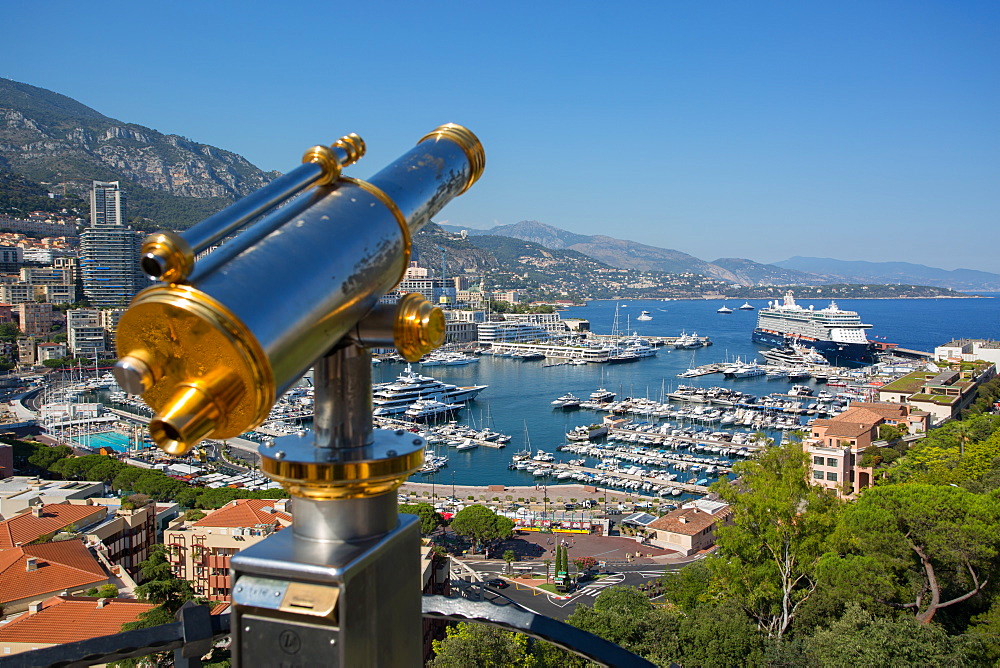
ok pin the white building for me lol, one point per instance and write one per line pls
(85, 332)
(969, 350)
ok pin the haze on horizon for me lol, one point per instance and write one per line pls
(857, 130)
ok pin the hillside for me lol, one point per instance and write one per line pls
(857, 271)
(755, 273)
(55, 141)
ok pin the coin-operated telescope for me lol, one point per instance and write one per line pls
(212, 347)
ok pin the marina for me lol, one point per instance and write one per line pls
(638, 428)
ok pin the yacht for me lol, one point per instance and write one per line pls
(602, 395)
(724, 309)
(686, 340)
(566, 401)
(396, 397)
(747, 306)
(644, 316)
(427, 409)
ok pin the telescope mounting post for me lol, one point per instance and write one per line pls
(342, 587)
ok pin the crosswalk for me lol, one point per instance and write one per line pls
(595, 588)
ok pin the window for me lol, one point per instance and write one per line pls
(831, 461)
(818, 475)
(818, 461)
(831, 475)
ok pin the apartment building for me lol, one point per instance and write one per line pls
(835, 445)
(85, 332)
(200, 551)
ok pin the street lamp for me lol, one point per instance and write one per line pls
(545, 500)
(433, 479)
(453, 485)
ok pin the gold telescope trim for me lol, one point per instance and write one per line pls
(167, 255)
(396, 213)
(332, 159)
(419, 327)
(341, 480)
(469, 144)
(206, 374)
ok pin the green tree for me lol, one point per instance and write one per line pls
(481, 525)
(509, 557)
(160, 585)
(477, 645)
(689, 587)
(9, 331)
(430, 519)
(937, 543)
(44, 457)
(107, 591)
(625, 616)
(768, 555)
(719, 635)
(860, 638)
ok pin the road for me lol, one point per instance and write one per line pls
(550, 605)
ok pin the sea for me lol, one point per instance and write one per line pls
(517, 401)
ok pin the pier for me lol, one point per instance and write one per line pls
(657, 341)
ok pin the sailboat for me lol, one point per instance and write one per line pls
(522, 459)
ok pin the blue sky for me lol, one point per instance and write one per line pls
(854, 130)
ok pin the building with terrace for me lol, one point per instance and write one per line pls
(835, 445)
(199, 551)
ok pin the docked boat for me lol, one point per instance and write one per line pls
(749, 370)
(587, 433)
(602, 395)
(396, 397)
(566, 402)
(836, 334)
(794, 355)
(644, 316)
(429, 409)
(686, 340)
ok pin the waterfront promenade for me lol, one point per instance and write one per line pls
(532, 495)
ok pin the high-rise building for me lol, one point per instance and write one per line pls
(107, 204)
(109, 250)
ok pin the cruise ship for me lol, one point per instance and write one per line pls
(837, 335)
(395, 397)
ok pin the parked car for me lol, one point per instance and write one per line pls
(499, 583)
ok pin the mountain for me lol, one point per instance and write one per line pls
(56, 141)
(755, 273)
(858, 271)
(609, 250)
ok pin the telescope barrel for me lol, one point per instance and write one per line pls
(212, 355)
(169, 256)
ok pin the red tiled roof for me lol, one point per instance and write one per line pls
(244, 513)
(63, 565)
(71, 618)
(24, 528)
(688, 521)
(847, 429)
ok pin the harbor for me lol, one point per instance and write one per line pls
(663, 428)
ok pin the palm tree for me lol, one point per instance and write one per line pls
(509, 557)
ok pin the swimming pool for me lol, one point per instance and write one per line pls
(106, 439)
